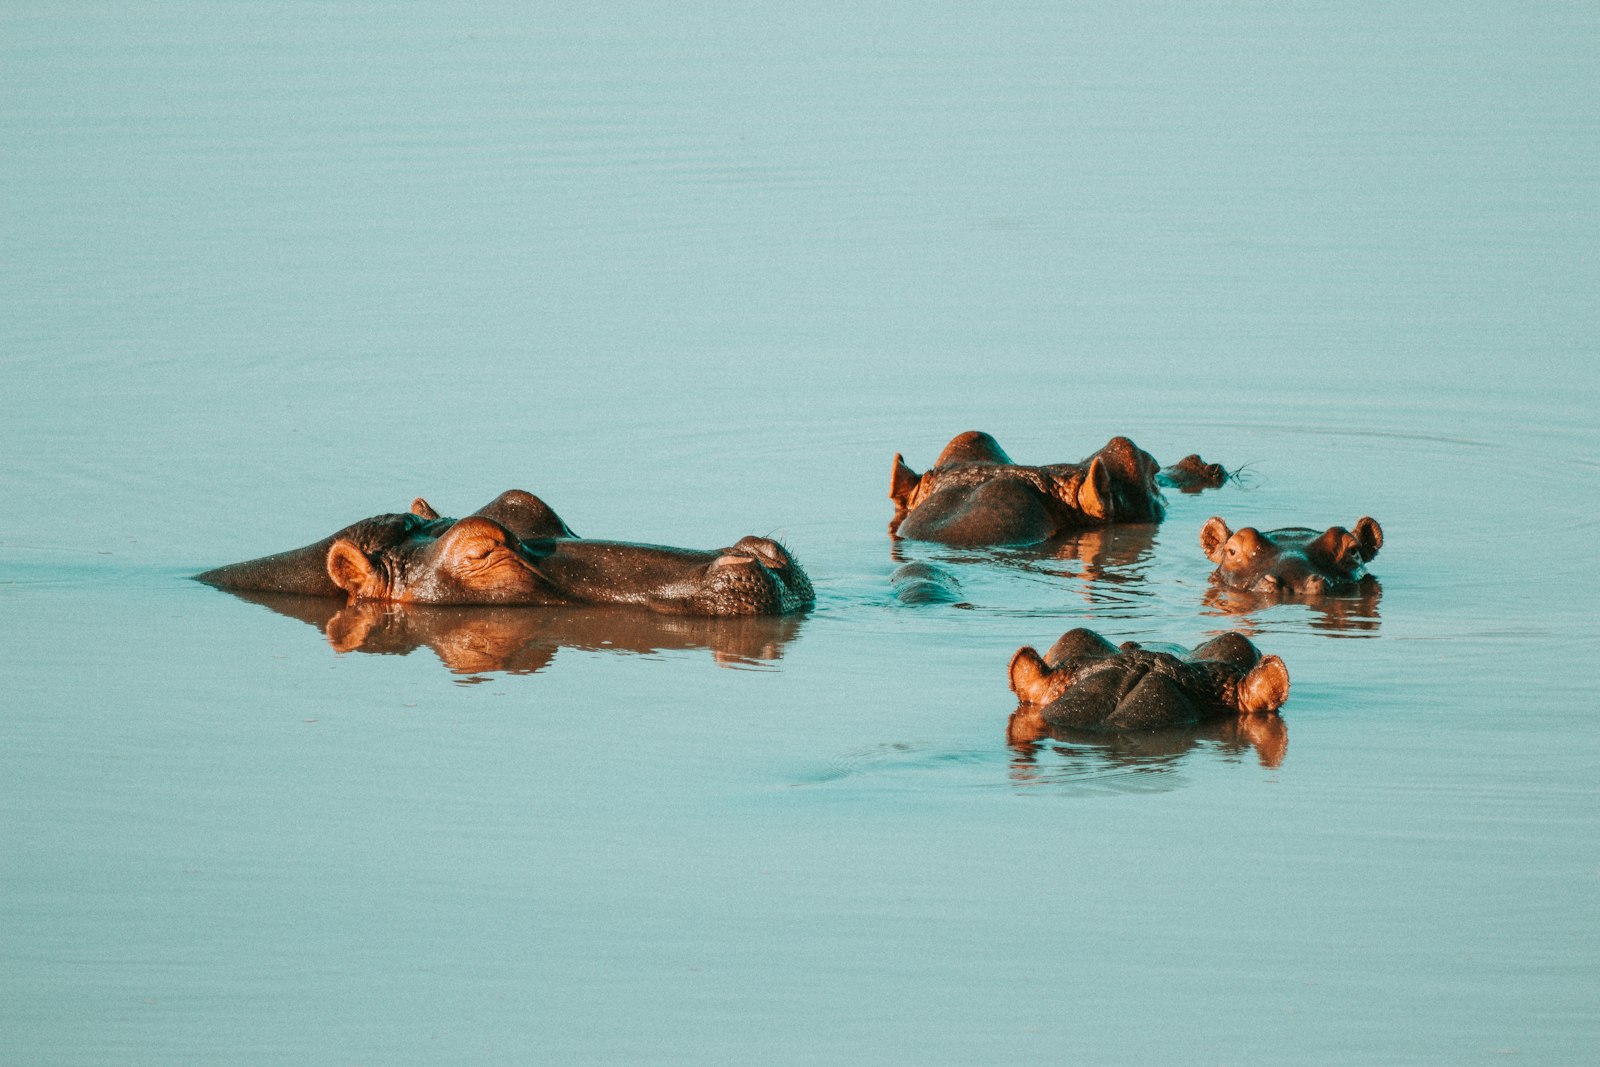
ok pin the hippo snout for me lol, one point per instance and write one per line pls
(765, 551)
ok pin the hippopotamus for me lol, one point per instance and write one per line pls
(517, 551)
(1086, 683)
(1191, 474)
(975, 494)
(1293, 560)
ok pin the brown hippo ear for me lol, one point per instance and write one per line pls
(352, 571)
(1213, 535)
(1370, 536)
(903, 481)
(422, 508)
(1094, 495)
(1265, 688)
(1030, 676)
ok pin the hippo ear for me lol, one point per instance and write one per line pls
(1213, 535)
(1265, 688)
(1094, 495)
(1370, 536)
(423, 509)
(1030, 676)
(352, 571)
(903, 481)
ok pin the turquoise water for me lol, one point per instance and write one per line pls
(699, 272)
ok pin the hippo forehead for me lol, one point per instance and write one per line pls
(1138, 688)
(386, 533)
(1059, 482)
(1296, 558)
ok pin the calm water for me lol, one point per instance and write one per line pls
(698, 271)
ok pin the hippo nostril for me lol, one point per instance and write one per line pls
(764, 549)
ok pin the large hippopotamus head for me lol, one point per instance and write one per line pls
(975, 494)
(517, 551)
(1291, 560)
(1084, 682)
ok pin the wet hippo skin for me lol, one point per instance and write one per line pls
(1086, 683)
(975, 494)
(1294, 560)
(517, 551)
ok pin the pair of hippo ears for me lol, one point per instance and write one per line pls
(1093, 496)
(1262, 689)
(1337, 547)
(476, 552)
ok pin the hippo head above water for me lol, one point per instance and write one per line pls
(1084, 682)
(1191, 474)
(1293, 560)
(516, 551)
(975, 494)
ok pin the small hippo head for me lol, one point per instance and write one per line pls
(757, 576)
(1293, 560)
(1191, 474)
(1086, 682)
(475, 561)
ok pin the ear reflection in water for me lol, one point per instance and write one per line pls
(1354, 612)
(523, 640)
(1084, 751)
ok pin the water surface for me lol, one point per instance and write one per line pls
(695, 273)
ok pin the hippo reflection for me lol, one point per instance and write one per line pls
(1084, 682)
(975, 494)
(1294, 560)
(1352, 612)
(517, 551)
(523, 640)
(1082, 754)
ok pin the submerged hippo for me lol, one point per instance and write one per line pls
(975, 494)
(1291, 560)
(1191, 474)
(1086, 683)
(517, 551)
(923, 583)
